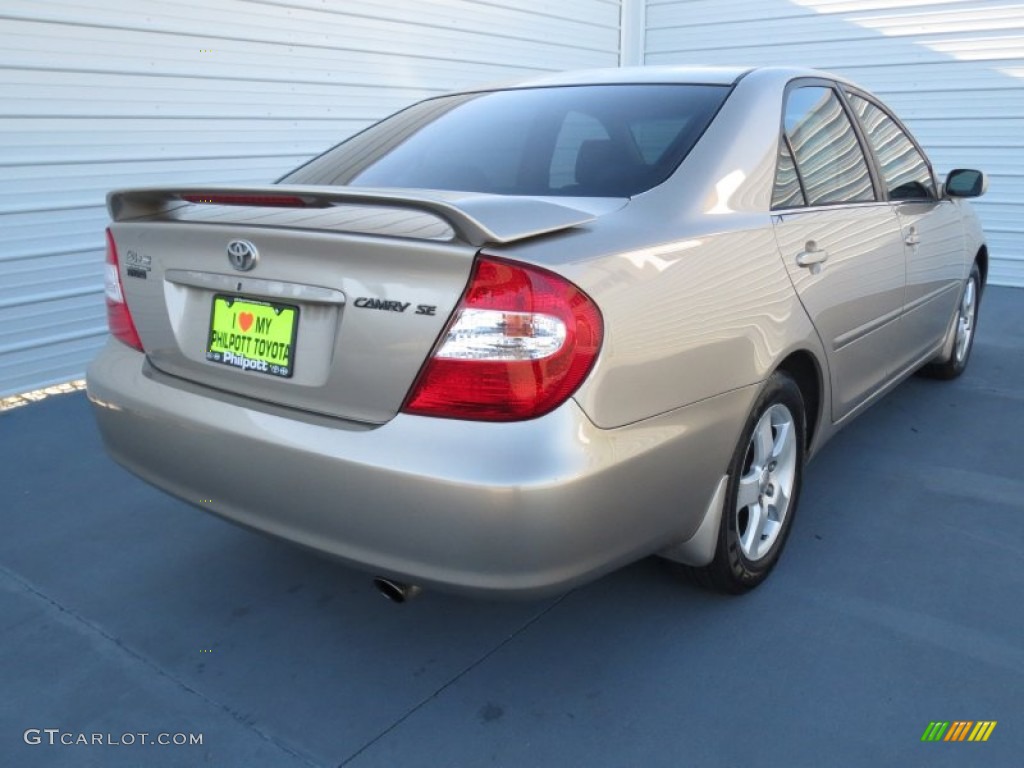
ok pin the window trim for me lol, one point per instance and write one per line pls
(873, 172)
(849, 90)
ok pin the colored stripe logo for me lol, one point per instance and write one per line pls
(959, 730)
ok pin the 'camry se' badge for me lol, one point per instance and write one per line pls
(242, 254)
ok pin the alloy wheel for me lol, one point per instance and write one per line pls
(965, 320)
(766, 485)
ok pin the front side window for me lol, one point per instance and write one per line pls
(828, 157)
(601, 141)
(904, 169)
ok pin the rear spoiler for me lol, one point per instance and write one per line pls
(477, 218)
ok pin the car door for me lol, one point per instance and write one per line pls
(840, 242)
(932, 230)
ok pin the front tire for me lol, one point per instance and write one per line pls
(966, 322)
(765, 476)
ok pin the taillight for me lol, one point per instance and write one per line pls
(118, 317)
(519, 344)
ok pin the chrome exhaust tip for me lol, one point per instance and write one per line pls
(396, 591)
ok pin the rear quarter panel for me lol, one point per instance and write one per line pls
(685, 320)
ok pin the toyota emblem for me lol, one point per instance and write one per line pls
(242, 254)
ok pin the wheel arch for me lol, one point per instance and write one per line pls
(802, 366)
(982, 261)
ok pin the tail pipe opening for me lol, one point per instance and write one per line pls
(396, 591)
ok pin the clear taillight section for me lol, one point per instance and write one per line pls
(119, 319)
(519, 344)
(489, 334)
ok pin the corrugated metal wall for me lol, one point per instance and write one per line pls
(96, 94)
(953, 70)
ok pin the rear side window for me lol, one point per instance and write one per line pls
(904, 169)
(787, 193)
(828, 158)
(601, 141)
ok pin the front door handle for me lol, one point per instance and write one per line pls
(912, 238)
(811, 255)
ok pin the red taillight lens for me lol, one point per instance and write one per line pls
(520, 343)
(118, 317)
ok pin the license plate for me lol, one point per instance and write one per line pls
(253, 335)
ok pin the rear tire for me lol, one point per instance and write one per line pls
(966, 322)
(763, 490)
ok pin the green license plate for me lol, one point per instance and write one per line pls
(253, 335)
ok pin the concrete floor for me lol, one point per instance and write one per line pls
(898, 602)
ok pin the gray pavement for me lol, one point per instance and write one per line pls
(898, 602)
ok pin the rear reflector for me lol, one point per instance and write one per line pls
(265, 201)
(519, 344)
(119, 318)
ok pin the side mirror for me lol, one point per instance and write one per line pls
(966, 182)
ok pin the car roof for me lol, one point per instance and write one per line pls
(661, 75)
(702, 75)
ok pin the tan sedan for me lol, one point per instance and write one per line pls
(507, 340)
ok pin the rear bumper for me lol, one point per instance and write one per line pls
(527, 507)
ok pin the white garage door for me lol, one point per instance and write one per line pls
(97, 94)
(953, 69)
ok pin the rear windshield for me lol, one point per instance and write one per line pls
(589, 141)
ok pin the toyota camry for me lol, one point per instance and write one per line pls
(510, 339)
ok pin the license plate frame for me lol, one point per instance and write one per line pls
(241, 335)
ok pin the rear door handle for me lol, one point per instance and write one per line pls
(912, 238)
(811, 255)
